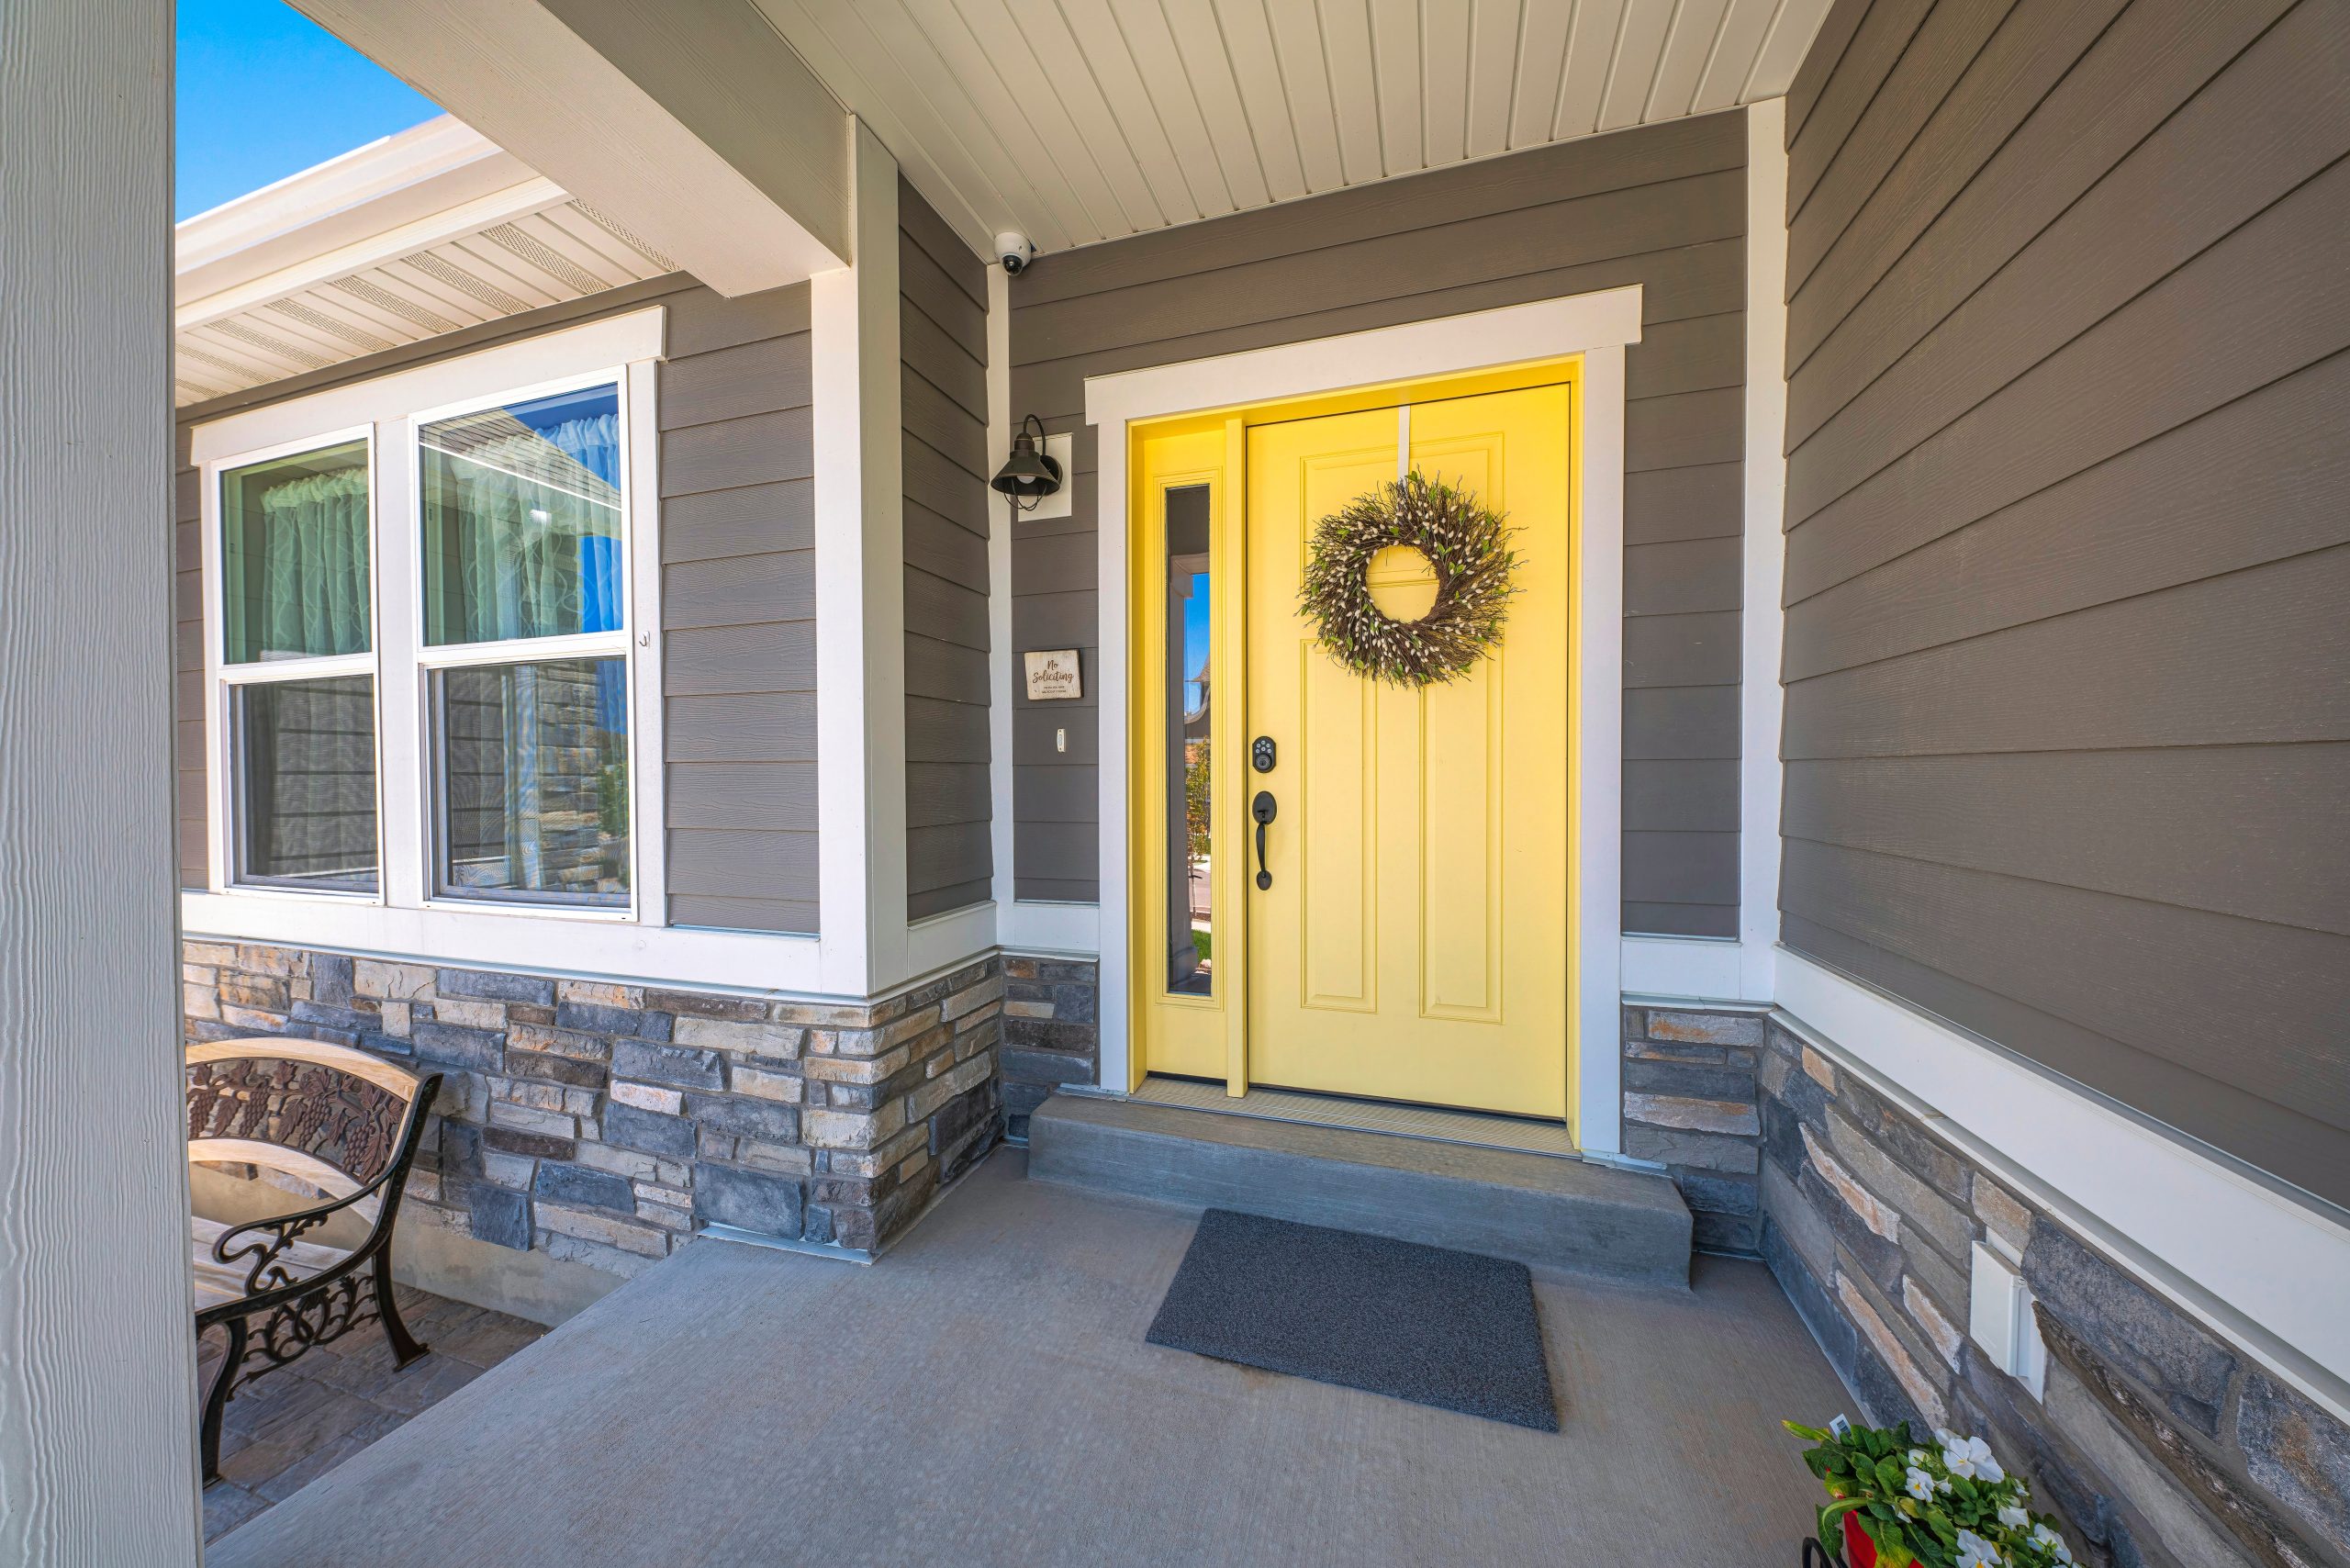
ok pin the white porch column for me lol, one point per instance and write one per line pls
(860, 592)
(97, 1417)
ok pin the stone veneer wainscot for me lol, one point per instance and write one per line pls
(602, 1121)
(1689, 1104)
(1052, 1010)
(2160, 1443)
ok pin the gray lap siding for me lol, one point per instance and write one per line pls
(2067, 730)
(943, 382)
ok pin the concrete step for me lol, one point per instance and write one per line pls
(1551, 1212)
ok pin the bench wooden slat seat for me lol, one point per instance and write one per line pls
(217, 1282)
(338, 1121)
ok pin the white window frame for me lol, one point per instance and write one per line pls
(224, 680)
(423, 661)
(390, 413)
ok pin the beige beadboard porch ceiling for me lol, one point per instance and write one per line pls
(1080, 120)
(418, 234)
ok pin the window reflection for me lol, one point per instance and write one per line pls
(1190, 934)
(534, 781)
(521, 509)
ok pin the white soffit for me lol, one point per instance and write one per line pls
(1080, 120)
(421, 233)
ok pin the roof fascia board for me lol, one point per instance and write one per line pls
(291, 262)
(693, 124)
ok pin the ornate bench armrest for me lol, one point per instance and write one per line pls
(266, 1240)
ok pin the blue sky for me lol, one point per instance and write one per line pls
(264, 92)
(1195, 637)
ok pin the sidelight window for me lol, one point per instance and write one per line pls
(1190, 925)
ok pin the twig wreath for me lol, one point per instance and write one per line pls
(1464, 539)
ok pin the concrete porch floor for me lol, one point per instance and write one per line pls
(985, 1395)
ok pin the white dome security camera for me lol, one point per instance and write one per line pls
(1015, 251)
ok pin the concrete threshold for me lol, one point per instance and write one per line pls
(1570, 1215)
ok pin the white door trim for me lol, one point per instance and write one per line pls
(1597, 326)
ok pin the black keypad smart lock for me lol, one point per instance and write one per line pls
(1260, 754)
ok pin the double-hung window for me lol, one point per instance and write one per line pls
(298, 668)
(426, 673)
(523, 528)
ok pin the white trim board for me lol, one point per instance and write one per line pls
(1598, 326)
(867, 944)
(1700, 969)
(1761, 623)
(1002, 831)
(2264, 1271)
(1063, 930)
(857, 608)
(774, 965)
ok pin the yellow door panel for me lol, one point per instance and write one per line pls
(1412, 944)
(1460, 825)
(1337, 867)
(1319, 940)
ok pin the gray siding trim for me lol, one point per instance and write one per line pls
(1662, 207)
(943, 295)
(2068, 682)
(737, 593)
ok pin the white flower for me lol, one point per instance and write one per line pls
(1917, 1456)
(1971, 1457)
(2044, 1537)
(1974, 1552)
(1921, 1484)
(2013, 1517)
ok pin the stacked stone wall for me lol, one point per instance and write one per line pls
(1689, 1102)
(602, 1122)
(1052, 1034)
(2160, 1442)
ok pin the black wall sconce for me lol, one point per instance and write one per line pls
(1028, 475)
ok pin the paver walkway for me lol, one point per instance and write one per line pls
(295, 1423)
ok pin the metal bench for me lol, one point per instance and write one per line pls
(339, 1121)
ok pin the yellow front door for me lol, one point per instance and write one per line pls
(1413, 942)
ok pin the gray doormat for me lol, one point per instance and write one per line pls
(1451, 1329)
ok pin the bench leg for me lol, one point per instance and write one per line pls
(405, 1348)
(215, 1398)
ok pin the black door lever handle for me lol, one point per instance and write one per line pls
(1263, 809)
